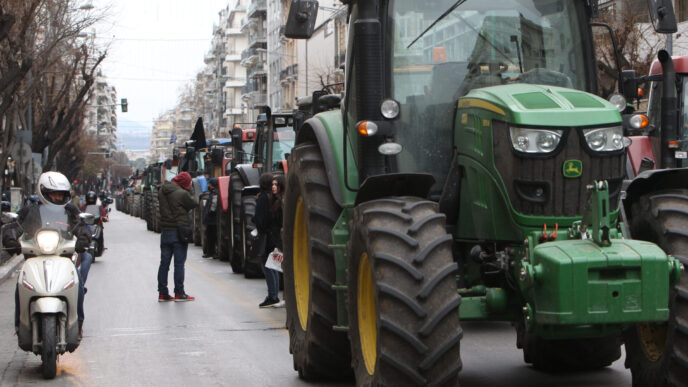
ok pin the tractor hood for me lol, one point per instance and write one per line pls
(541, 105)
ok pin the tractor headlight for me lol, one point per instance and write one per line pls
(608, 139)
(528, 140)
(47, 241)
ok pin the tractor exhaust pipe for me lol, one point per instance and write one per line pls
(669, 123)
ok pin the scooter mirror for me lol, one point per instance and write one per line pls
(9, 217)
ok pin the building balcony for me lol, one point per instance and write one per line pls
(258, 98)
(289, 73)
(233, 112)
(257, 39)
(256, 71)
(233, 57)
(257, 9)
(234, 32)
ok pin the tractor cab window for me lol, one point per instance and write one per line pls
(436, 60)
(247, 155)
(281, 147)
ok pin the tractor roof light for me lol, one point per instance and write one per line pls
(390, 109)
(618, 100)
(366, 128)
(639, 121)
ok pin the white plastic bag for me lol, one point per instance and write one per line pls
(274, 260)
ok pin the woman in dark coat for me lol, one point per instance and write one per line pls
(268, 221)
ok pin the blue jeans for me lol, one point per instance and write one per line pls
(169, 246)
(272, 279)
(86, 261)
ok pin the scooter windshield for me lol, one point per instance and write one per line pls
(94, 210)
(45, 216)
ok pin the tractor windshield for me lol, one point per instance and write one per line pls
(480, 43)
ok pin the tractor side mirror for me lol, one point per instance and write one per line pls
(301, 20)
(662, 16)
(630, 84)
(237, 138)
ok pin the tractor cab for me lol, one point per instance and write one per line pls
(274, 140)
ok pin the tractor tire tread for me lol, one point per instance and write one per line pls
(418, 339)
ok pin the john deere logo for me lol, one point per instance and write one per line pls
(573, 168)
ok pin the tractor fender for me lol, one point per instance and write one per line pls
(326, 130)
(395, 184)
(652, 181)
(223, 191)
(249, 175)
(639, 149)
(251, 190)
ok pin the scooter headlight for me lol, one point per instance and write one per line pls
(528, 140)
(47, 241)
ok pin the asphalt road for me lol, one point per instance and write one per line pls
(222, 338)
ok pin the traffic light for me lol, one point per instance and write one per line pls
(124, 105)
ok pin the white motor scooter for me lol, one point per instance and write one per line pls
(48, 285)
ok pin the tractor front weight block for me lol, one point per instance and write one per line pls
(579, 282)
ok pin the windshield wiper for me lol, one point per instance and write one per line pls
(442, 16)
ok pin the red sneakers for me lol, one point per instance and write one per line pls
(183, 297)
(165, 297)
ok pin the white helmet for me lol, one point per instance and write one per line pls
(53, 182)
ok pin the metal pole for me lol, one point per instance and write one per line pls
(670, 44)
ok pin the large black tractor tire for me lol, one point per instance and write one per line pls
(657, 354)
(49, 346)
(147, 201)
(248, 209)
(156, 215)
(402, 295)
(223, 236)
(198, 226)
(570, 354)
(310, 212)
(235, 187)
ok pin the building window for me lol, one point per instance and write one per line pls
(682, 10)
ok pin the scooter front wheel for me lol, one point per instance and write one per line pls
(49, 347)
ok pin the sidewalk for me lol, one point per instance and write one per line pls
(9, 267)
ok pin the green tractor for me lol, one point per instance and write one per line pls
(471, 175)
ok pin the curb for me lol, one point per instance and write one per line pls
(10, 267)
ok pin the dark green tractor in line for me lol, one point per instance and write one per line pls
(152, 179)
(471, 175)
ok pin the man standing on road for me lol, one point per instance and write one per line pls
(175, 203)
(210, 219)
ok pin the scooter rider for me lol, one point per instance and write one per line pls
(53, 190)
(91, 200)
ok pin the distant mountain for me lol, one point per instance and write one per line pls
(133, 135)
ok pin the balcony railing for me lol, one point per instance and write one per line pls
(256, 8)
(289, 73)
(256, 71)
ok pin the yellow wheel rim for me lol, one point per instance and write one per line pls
(367, 327)
(652, 339)
(301, 265)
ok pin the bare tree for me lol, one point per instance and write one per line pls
(45, 73)
(636, 41)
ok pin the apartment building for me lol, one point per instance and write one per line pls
(161, 136)
(236, 42)
(101, 113)
(254, 57)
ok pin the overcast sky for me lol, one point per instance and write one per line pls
(156, 46)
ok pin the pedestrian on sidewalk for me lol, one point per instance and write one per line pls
(175, 203)
(268, 221)
(210, 219)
